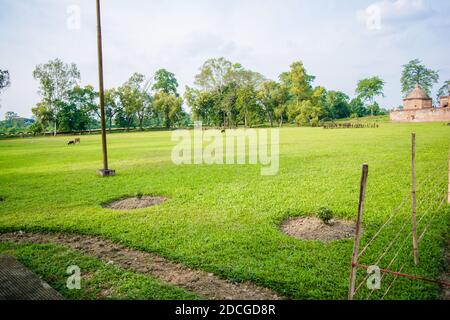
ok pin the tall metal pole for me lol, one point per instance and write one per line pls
(105, 171)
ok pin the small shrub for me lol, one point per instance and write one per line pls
(139, 195)
(325, 214)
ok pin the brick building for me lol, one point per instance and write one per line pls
(418, 107)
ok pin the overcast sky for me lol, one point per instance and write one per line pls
(339, 42)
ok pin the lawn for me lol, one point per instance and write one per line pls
(224, 219)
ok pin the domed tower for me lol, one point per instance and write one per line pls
(417, 99)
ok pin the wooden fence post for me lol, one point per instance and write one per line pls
(362, 197)
(414, 201)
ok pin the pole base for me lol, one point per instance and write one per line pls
(106, 173)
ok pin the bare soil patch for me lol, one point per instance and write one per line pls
(312, 228)
(203, 283)
(135, 203)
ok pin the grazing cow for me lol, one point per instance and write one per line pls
(71, 142)
(77, 140)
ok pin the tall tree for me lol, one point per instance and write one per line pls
(112, 105)
(444, 90)
(298, 82)
(170, 107)
(133, 100)
(215, 74)
(357, 108)
(165, 81)
(269, 98)
(337, 105)
(83, 102)
(56, 79)
(415, 73)
(44, 115)
(368, 89)
(222, 79)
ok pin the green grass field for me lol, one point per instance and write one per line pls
(224, 219)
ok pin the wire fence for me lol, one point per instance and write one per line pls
(387, 256)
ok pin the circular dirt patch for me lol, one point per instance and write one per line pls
(135, 203)
(312, 228)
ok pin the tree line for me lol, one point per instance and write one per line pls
(224, 94)
(139, 102)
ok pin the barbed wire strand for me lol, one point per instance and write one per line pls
(393, 214)
(393, 282)
(431, 220)
(393, 241)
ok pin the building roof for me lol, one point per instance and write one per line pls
(418, 93)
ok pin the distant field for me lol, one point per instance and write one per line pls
(224, 219)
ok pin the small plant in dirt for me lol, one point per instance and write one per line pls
(139, 195)
(326, 215)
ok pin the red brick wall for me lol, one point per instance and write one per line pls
(424, 115)
(416, 104)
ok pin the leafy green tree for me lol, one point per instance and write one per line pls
(305, 113)
(56, 79)
(368, 89)
(246, 85)
(133, 101)
(112, 105)
(215, 74)
(269, 98)
(444, 90)
(14, 124)
(203, 104)
(44, 115)
(298, 82)
(10, 116)
(85, 101)
(357, 108)
(233, 90)
(337, 105)
(70, 118)
(170, 107)
(77, 110)
(165, 81)
(415, 73)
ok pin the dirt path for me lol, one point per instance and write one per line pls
(200, 282)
